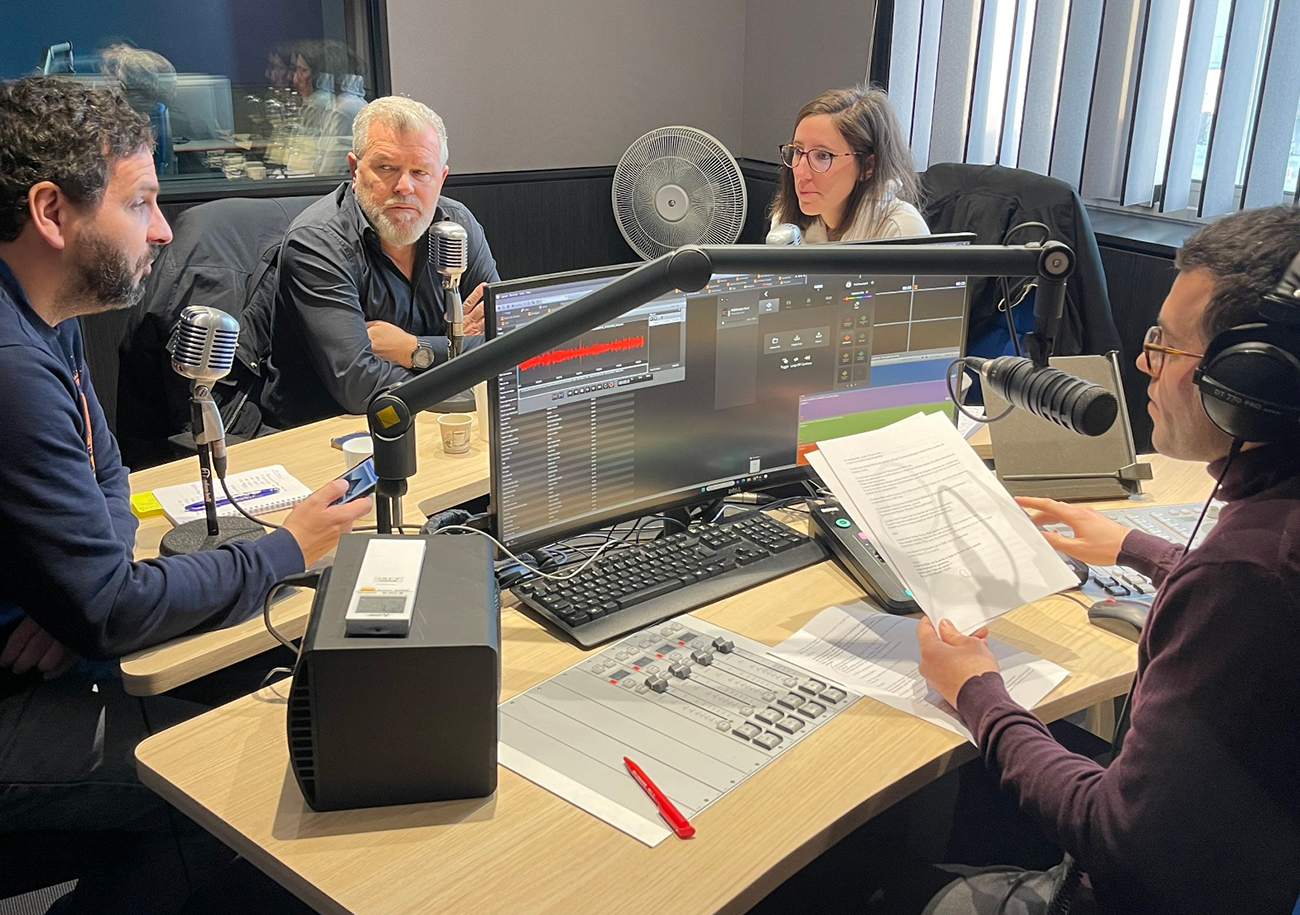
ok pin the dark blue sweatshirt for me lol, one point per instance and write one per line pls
(67, 535)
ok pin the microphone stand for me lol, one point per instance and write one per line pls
(455, 316)
(210, 531)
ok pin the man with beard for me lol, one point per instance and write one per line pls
(79, 227)
(360, 306)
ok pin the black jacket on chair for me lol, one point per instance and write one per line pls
(989, 200)
(223, 254)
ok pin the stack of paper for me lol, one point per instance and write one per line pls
(941, 520)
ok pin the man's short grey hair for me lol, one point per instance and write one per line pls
(400, 113)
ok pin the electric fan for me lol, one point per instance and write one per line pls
(678, 186)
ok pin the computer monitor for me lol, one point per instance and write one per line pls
(693, 396)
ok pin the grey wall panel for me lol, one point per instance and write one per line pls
(568, 83)
(792, 53)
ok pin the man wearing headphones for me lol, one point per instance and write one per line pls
(1200, 809)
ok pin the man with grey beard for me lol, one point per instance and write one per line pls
(359, 305)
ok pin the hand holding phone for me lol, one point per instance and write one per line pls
(360, 479)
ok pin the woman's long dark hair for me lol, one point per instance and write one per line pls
(866, 120)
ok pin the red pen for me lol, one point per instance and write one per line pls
(672, 816)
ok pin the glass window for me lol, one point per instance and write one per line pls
(237, 90)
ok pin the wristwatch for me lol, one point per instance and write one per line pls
(421, 357)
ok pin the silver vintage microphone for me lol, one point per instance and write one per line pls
(202, 348)
(786, 233)
(449, 249)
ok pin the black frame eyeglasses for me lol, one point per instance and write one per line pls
(819, 160)
(1155, 351)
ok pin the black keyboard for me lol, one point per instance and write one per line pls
(627, 590)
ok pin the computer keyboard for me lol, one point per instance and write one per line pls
(627, 590)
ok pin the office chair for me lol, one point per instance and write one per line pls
(223, 254)
(990, 201)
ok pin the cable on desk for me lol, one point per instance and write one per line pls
(306, 580)
(239, 508)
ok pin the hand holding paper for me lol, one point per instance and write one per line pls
(942, 520)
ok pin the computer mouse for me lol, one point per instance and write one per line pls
(1080, 568)
(1120, 616)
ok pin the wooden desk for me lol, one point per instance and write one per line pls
(525, 850)
(441, 481)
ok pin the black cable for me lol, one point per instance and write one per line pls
(1006, 290)
(307, 580)
(239, 508)
(949, 376)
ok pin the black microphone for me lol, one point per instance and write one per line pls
(202, 347)
(1078, 405)
(448, 248)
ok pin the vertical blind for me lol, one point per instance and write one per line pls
(1166, 104)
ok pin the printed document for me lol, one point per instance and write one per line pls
(876, 654)
(942, 520)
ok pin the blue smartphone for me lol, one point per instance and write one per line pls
(361, 481)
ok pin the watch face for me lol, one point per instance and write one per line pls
(422, 358)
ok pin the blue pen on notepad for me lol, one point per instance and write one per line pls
(242, 497)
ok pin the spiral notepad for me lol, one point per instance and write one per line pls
(177, 501)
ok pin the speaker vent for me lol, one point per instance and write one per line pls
(302, 735)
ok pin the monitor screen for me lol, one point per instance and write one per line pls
(692, 396)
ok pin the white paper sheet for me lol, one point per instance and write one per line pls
(877, 654)
(956, 538)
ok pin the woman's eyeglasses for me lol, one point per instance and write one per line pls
(819, 160)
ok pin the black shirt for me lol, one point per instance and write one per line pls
(334, 277)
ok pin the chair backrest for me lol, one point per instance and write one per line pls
(223, 254)
(989, 200)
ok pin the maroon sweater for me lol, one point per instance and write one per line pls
(1200, 812)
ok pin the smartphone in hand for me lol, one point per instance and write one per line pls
(361, 481)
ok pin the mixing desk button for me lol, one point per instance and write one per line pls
(674, 627)
(747, 731)
(726, 646)
(770, 715)
(675, 655)
(833, 695)
(652, 668)
(642, 689)
(627, 682)
(812, 687)
(812, 709)
(645, 643)
(791, 701)
(702, 657)
(658, 684)
(680, 671)
(621, 655)
(789, 725)
(746, 710)
(768, 741)
(724, 725)
(667, 630)
(769, 695)
(789, 682)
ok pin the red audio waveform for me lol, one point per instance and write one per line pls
(577, 352)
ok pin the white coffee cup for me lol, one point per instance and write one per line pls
(356, 450)
(455, 429)
(481, 409)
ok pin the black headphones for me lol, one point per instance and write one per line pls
(1250, 374)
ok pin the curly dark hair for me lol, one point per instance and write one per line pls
(1246, 253)
(59, 130)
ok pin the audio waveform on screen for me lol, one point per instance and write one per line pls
(556, 356)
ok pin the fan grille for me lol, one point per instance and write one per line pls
(704, 171)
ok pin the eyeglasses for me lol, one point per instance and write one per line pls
(1156, 352)
(819, 160)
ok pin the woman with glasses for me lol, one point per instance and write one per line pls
(849, 174)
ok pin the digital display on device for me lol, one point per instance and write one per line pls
(361, 481)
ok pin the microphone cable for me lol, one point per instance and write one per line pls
(1006, 304)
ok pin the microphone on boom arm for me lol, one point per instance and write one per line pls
(202, 348)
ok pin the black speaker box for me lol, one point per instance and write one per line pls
(378, 720)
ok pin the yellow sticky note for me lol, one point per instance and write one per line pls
(144, 505)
